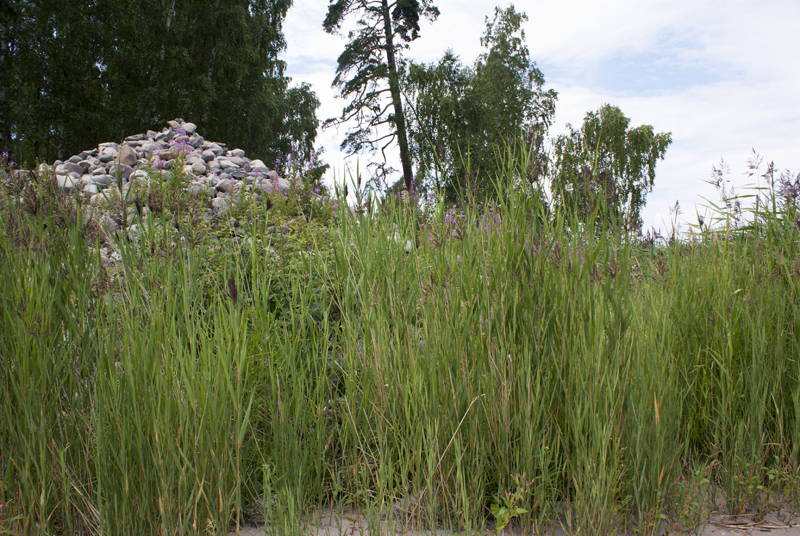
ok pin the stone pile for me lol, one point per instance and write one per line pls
(210, 167)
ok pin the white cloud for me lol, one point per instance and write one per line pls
(721, 75)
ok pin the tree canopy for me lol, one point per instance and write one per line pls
(78, 73)
(367, 72)
(607, 167)
(462, 118)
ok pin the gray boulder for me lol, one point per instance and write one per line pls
(69, 182)
(127, 156)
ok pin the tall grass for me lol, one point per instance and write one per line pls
(509, 358)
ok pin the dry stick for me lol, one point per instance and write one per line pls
(422, 494)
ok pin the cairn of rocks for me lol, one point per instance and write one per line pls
(210, 167)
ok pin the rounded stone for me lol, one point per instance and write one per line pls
(264, 185)
(225, 185)
(68, 182)
(148, 148)
(196, 188)
(127, 156)
(258, 165)
(219, 205)
(124, 171)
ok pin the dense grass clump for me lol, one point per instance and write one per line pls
(457, 368)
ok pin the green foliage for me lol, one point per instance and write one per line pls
(288, 363)
(607, 167)
(367, 71)
(463, 118)
(506, 508)
(78, 73)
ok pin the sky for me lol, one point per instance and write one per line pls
(722, 76)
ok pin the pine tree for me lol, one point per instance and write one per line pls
(368, 70)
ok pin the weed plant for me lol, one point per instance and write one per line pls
(462, 369)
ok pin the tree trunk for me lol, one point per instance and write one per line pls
(209, 74)
(394, 88)
(5, 127)
(207, 99)
(169, 21)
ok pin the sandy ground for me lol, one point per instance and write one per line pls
(356, 525)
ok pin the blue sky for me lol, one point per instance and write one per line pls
(722, 76)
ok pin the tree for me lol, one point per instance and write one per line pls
(78, 73)
(608, 167)
(462, 119)
(51, 77)
(8, 14)
(367, 70)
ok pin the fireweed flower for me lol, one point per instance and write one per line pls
(181, 146)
